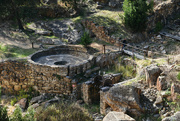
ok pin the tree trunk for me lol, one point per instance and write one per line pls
(17, 16)
(75, 5)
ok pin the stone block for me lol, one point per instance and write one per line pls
(152, 73)
(117, 116)
(72, 70)
(17, 87)
(161, 83)
(63, 70)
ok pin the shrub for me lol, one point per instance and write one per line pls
(30, 115)
(3, 111)
(178, 76)
(3, 114)
(17, 115)
(85, 39)
(135, 14)
(13, 101)
(158, 27)
(62, 112)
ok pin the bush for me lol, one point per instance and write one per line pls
(3, 114)
(13, 101)
(62, 112)
(135, 13)
(85, 39)
(158, 27)
(17, 115)
(30, 115)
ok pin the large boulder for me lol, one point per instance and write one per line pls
(38, 99)
(152, 73)
(117, 116)
(22, 103)
(124, 98)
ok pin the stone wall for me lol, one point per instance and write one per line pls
(162, 12)
(91, 89)
(99, 31)
(20, 74)
(64, 70)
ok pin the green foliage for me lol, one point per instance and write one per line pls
(85, 39)
(17, 115)
(3, 114)
(30, 115)
(4, 48)
(135, 14)
(158, 27)
(178, 76)
(94, 108)
(127, 71)
(23, 94)
(3, 111)
(13, 101)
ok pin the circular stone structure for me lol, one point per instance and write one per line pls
(68, 60)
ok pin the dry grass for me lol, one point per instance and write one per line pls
(63, 112)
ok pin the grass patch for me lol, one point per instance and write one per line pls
(135, 80)
(52, 37)
(77, 19)
(127, 71)
(63, 112)
(13, 51)
(20, 52)
(144, 63)
(93, 108)
(161, 61)
(178, 76)
(65, 40)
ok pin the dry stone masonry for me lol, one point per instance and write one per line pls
(49, 78)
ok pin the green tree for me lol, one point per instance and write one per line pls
(11, 8)
(85, 39)
(135, 13)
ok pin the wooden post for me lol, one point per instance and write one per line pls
(144, 54)
(104, 49)
(32, 45)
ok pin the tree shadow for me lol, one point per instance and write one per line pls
(91, 50)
